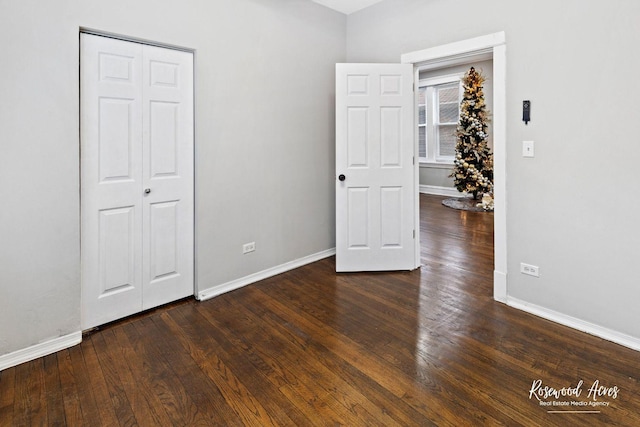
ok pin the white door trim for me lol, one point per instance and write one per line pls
(483, 47)
(86, 30)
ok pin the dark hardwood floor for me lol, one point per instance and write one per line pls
(309, 347)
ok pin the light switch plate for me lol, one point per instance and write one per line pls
(527, 149)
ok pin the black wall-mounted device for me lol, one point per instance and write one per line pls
(526, 112)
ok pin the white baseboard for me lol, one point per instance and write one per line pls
(261, 275)
(441, 191)
(39, 350)
(572, 322)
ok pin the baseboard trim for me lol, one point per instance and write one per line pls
(572, 322)
(39, 350)
(261, 275)
(440, 191)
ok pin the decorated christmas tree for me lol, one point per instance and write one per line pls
(473, 165)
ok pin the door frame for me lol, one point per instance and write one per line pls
(87, 30)
(492, 46)
(101, 33)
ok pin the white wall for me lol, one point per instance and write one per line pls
(264, 141)
(577, 62)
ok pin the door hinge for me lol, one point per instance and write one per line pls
(414, 160)
(414, 234)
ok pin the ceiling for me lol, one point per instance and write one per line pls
(347, 6)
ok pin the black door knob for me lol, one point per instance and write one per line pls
(341, 177)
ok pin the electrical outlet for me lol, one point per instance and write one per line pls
(248, 247)
(530, 270)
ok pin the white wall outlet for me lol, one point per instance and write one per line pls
(527, 149)
(530, 270)
(248, 247)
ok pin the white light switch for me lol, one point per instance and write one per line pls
(527, 148)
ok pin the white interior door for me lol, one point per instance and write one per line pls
(167, 152)
(136, 177)
(375, 188)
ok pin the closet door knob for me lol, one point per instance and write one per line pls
(147, 190)
(341, 177)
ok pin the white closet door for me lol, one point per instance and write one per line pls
(136, 177)
(167, 152)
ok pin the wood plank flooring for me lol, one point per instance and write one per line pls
(309, 347)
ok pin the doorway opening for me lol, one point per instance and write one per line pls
(490, 47)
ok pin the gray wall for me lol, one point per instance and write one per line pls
(577, 62)
(436, 175)
(264, 136)
(264, 141)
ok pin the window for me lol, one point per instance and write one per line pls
(438, 116)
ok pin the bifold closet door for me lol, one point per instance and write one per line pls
(136, 120)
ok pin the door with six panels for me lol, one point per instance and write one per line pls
(137, 206)
(375, 152)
